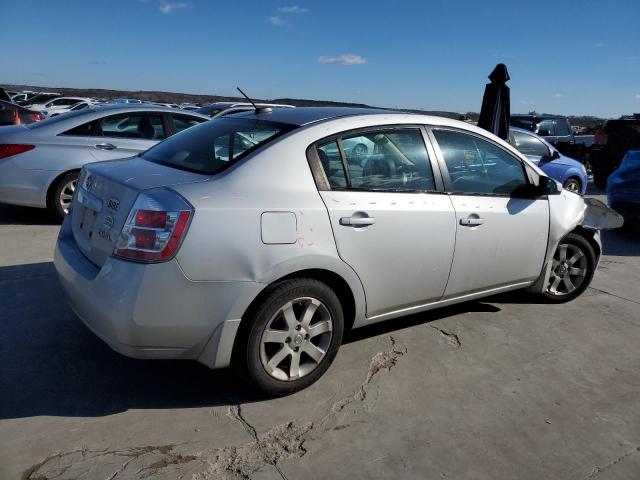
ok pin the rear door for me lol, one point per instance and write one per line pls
(125, 135)
(392, 223)
(501, 239)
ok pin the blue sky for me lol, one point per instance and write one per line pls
(569, 56)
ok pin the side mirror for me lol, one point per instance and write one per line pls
(555, 155)
(548, 186)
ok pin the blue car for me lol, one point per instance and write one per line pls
(568, 171)
(623, 188)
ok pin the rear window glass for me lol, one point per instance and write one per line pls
(212, 146)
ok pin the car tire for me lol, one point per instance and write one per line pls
(291, 337)
(60, 200)
(572, 269)
(573, 185)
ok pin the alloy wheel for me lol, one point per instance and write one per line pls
(66, 194)
(296, 339)
(568, 270)
(572, 185)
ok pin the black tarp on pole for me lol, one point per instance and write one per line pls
(496, 103)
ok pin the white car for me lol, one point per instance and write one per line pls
(72, 108)
(56, 103)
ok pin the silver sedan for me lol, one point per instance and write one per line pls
(258, 239)
(40, 162)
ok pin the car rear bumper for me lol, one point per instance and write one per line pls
(152, 310)
(20, 186)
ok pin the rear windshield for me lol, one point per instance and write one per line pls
(214, 145)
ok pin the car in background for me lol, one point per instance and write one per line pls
(40, 98)
(12, 114)
(39, 163)
(72, 108)
(612, 142)
(554, 129)
(56, 103)
(221, 109)
(571, 173)
(623, 189)
(262, 259)
(126, 101)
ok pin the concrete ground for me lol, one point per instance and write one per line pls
(494, 389)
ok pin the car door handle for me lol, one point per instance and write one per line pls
(471, 221)
(357, 221)
(106, 146)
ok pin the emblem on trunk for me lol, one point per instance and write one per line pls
(108, 222)
(113, 204)
(89, 182)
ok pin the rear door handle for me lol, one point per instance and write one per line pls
(357, 221)
(106, 146)
(471, 221)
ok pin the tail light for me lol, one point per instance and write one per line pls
(11, 149)
(36, 117)
(155, 227)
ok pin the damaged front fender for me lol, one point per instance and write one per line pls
(598, 216)
(568, 211)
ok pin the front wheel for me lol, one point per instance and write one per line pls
(572, 269)
(294, 336)
(573, 185)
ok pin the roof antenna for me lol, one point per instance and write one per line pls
(259, 110)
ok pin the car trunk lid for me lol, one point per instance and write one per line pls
(106, 192)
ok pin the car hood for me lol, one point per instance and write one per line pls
(567, 161)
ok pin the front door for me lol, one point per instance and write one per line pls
(501, 239)
(390, 223)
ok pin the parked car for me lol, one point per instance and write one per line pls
(221, 109)
(612, 142)
(555, 129)
(265, 256)
(39, 163)
(623, 189)
(571, 173)
(72, 108)
(12, 114)
(40, 98)
(56, 103)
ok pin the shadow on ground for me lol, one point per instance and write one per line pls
(53, 365)
(13, 215)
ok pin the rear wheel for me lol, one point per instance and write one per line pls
(293, 338)
(573, 185)
(60, 200)
(572, 269)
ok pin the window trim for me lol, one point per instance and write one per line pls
(320, 176)
(445, 171)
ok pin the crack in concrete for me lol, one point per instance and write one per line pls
(380, 361)
(83, 461)
(227, 463)
(597, 470)
(452, 338)
(614, 295)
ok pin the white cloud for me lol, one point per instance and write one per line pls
(276, 21)
(346, 59)
(558, 95)
(637, 96)
(170, 7)
(293, 9)
(598, 45)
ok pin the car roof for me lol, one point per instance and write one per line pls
(304, 115)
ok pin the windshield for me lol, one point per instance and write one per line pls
(212, 146)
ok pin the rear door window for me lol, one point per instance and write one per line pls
(562, 128)
(546, 128)
(134, 126)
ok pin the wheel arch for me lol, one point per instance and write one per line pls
(344, 292)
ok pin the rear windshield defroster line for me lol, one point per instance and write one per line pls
(215, 145)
